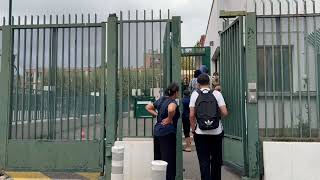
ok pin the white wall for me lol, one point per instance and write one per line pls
(213, 28)
(291, 160)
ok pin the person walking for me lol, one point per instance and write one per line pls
(167, 111)
(206, 109)
(185, 119)
(193, 85)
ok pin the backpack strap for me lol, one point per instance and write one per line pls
(199, 91)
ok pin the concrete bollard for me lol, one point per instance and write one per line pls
(159, 170)
(117, 163)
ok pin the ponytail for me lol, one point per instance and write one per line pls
(171, 89)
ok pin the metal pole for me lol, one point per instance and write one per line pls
(10, 11)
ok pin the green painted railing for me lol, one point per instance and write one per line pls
(288, 66)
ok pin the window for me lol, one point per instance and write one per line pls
(265, 57)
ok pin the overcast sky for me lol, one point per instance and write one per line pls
(194, 14)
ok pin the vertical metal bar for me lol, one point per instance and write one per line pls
(251, 143)
(49, 82)
(299, 71)
(176, 77)
(12, 79)
(24, 77)
(160, 54)
(112, 78)
(55, 66)
(30, 80)
(227, 60)
(273, 76)
(237, 75)
(5, 77)
(231, 76)
(62, 80)
(265, 72)
(95, 79)
(89, 71)
(75, 80)
(36, 80)
(129, 75)
(120, 83)
(69, 79)
(234, 78)
(17, 114)
(145, 65)
(281, 116)
(43, 73)
(241, 76)
(137, 70)
(152, 53)
(306, 52)
(290, 68)
(10, 11)
(102, 96)
(317, 63)
(82, 76)
(145, 52)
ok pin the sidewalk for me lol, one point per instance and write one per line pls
(192, 171)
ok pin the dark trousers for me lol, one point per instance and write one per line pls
(209, 151)
(186, 126)
(165, 150)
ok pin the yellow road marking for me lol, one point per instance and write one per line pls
(91, 176)
(27, 175)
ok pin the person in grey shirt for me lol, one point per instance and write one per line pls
(193, 85)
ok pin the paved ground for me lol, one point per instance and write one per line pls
(49, 176)
(192, 171)
(140, 127)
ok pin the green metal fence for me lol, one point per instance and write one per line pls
(288, 58)
(52, 76)
(148, 60)
(274, 92)
(54, 83)
(141, 62)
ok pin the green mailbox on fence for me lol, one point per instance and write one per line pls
(140, 106)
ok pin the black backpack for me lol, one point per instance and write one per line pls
(207, 111)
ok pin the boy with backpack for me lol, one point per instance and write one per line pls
(206, 109)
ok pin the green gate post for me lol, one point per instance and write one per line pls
(176, 77)
(206, 59)
(112, 79)
(5, 71)
(252, 147)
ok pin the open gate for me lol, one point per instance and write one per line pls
(232, 75)
(238, 68)
(191, 59)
